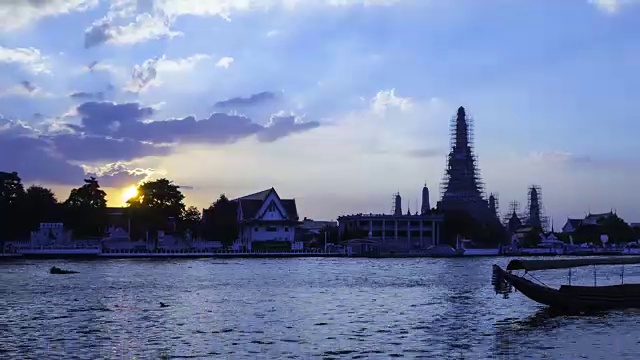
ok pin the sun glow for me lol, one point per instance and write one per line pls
(129, 193)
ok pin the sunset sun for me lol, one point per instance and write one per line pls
(129, 193)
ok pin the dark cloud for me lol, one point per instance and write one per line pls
(35, 157)
(426, 153)
(34, 161)
(127, 121)
(27, 85)
(240, 102)
(97, 35)
(99, 148)
(92, 65)
(103, 118)
(282, 125)
(81, 95)
(87, 95)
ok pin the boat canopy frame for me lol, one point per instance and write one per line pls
(535, 265)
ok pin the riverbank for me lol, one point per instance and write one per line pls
(276, 255)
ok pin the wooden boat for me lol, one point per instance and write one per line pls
(569, 298)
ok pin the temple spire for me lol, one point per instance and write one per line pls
(462, 187)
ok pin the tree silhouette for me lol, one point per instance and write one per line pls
(12, 223)
(41, 205)
(221, 223)
(86, 210)
(156, 204)
(191, 219)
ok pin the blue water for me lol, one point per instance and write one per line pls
(293, 309)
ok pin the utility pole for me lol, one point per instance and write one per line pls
(325, 240)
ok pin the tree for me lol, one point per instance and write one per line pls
(221, 221)
(191, 219)
(12, 223)
(40, 205)
(156, 204)
(86, 209)
(617, 229)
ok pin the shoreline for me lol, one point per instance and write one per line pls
(277, 255)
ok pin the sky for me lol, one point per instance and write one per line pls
(336, 103)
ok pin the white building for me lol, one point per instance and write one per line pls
(400, 232)
(266, 221)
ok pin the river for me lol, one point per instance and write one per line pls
(291, 309)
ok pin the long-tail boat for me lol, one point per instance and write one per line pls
(569, 298)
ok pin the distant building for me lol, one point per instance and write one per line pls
(266, 221)
(426, 204)
(394, 232)
(310, 231)
(572, 225)
(315, 226)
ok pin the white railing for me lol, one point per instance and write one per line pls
(59, 247)
(214, 252)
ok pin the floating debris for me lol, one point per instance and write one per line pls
(57, 270)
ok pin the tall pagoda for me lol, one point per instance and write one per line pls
(462, 187)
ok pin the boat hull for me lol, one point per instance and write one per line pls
(574, 298)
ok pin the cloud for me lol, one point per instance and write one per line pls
(93, 148)
(39, 159)
(134, 21)
(97, 65)
(132, 121)
(30, 59)
(176, 8)
(281, 125)
(252, 100)
(225, 62)
(20, 13)
(556, 158)
(612, 6)
(145, 27)
(143, 76)
(426, 152)
(81, 95)
(25, 88)
(383, 101)
(119, 175)
(146, 75)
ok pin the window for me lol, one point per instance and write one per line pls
(286, 229)
(272, 229)
(256, 229)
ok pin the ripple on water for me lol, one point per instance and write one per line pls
(293, 309)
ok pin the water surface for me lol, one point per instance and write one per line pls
(295, 309)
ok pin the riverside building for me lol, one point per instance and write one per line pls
(396, 232)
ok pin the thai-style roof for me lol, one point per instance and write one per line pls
(260, 195)
(574, 222)
(533, 265)
(600, 215)
(252, 203)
